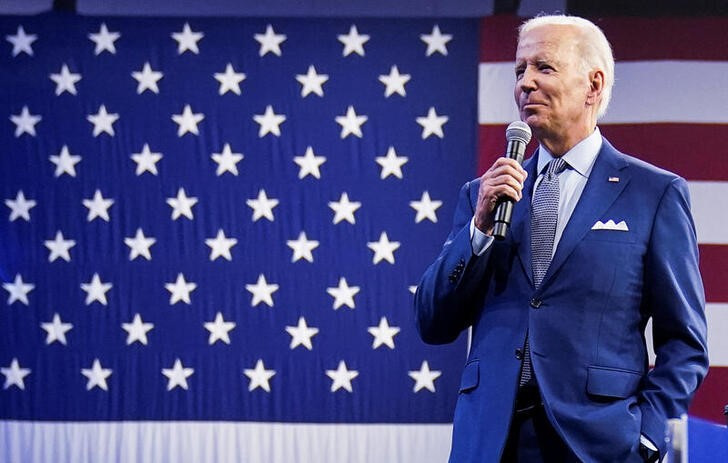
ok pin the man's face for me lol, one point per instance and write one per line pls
(551, 86)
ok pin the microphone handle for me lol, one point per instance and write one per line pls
(504, 210)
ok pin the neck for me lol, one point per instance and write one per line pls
(559, 144)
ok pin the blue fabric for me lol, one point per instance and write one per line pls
(590, 311)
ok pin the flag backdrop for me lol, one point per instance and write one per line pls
(221, 221)
(213, 225)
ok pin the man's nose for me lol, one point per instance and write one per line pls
(528, 80)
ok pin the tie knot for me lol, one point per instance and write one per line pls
(555, 167)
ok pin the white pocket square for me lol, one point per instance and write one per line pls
(610, 225)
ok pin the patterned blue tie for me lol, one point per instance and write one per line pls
(544, 215)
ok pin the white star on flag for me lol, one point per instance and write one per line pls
(56, 330)
(394, 82)
(436, 41)
(22, 42)
(103, 121)
(227, 161)
(219, 330)
(18, 290)
(262, 291)
(344, 209)
(104, 40)
(353, 41)
(187, 121)
(137, 330)
(98, 207)
(391, 164)
(383, 249)
(351, 123)
(96, 290)
(20, 207)
(432, 124)
(147, 79)
(146, 161)
(187, 40)
(229, 80)
(139, 245)
(182, 205)
(424, 377)
(25, 122)
(270, 42)
(269, 122)
(65, 162)
(311, 82)
(96, 376)
(302, 247)
(301, 334)
(425, 208)
(259, 376)
(14, 375)
(383, 334)
(65, 80)
(262, 206)
(59, 247)
(220, 246)
(180, 290)
(177, 375)
(341, 377)
(309, 164)
(343, 294)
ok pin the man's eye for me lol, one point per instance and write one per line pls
(519, 73)
(545, 67)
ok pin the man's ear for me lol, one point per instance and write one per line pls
(596, 86)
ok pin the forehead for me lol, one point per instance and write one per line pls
(552, 42)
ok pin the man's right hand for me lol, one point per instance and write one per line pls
(504, 179)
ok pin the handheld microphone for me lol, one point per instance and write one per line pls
(518, 135)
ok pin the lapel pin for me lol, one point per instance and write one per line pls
(614, 179)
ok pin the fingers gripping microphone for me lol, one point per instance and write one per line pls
(518, 135)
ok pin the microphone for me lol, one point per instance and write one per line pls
(518, 135)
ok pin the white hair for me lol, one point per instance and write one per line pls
(596, 53)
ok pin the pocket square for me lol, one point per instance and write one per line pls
(610, 225)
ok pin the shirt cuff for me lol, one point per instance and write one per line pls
(479, 241)
(647, 443)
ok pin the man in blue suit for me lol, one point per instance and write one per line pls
(599, 243)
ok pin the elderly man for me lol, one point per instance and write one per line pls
(599, 243)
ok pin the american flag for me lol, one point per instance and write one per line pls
(668, 108)
(222, 220)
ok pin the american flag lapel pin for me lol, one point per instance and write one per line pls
(614, 179)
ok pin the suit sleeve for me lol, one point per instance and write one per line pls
(674, 296)
(446, 300)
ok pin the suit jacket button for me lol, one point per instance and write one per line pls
(535, 303)
(519, 354)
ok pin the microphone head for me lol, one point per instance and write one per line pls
(518, 130)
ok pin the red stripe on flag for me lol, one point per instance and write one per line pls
(631, 38)
(712, 396)
(714, 269)
(689, 150)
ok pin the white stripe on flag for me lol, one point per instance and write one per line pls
(717, 316)
(710, 210)
(645, 92)
(221, 442)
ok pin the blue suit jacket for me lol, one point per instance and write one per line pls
(586, 322)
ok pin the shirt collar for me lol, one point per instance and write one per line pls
(580, 158)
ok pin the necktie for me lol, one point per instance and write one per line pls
(544, 215)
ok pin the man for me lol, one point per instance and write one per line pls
(599, 243)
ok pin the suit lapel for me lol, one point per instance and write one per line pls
(521, 220)
(599, 193)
